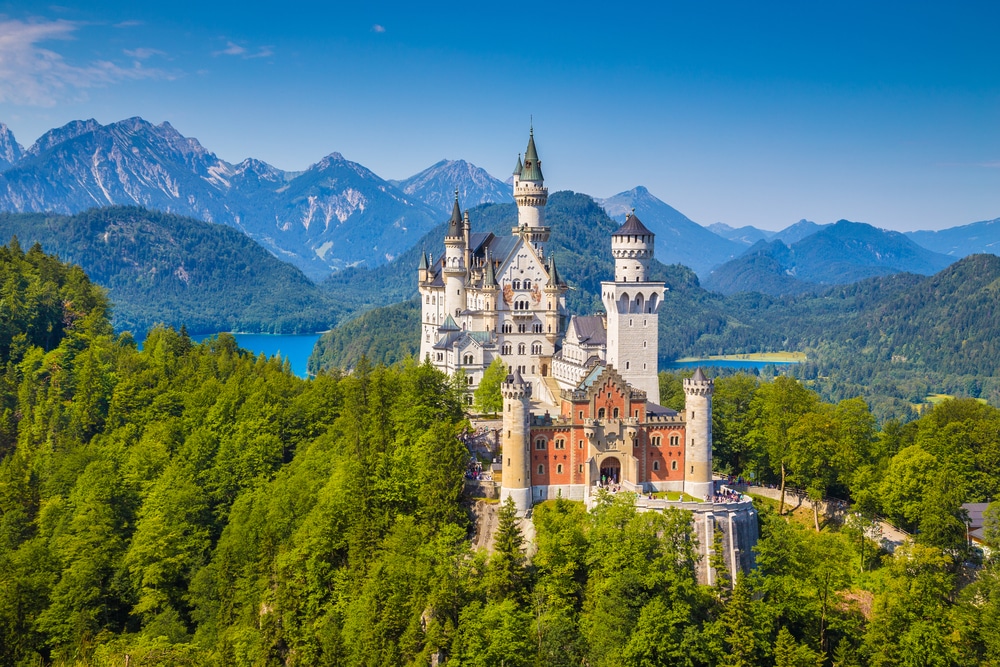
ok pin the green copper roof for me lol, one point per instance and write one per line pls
(455, 224)
(553, 274)
(519, 167)
(423, 261)
(532, 170)
(489, 278)
(449, 325)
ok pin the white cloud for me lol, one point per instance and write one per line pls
(234, 49)
(36, 76)
(378, 28)
(143, 53)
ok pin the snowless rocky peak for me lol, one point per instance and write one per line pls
(70, 130)
(10, 150)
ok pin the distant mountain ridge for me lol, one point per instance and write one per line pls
(679, 240)
(436, 186)
(336, 213)
(962, 241)
(841, 253)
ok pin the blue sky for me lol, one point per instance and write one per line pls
(745, 113)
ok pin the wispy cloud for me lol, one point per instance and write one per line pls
(378, 28)
(36, 76)
(234, 49)
(143, 53)
(990, 165)
(129, 24)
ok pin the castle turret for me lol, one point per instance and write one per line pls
(491, 291)
(632, 303)
(698, 439)
(554, 289)
(516, 477)
(531, 196)
(455, 245)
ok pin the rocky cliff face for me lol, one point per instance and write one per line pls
(436, 185)
(10, 150)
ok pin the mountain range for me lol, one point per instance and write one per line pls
(336, 213)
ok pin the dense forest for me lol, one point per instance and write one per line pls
(160, 268)
(192, 504)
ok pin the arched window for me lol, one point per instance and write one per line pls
(517, 284)
(639, 303)
(673, 465)
(541, 469)
(505, 349)
(623, 303)
(520, 348)
(600, 413)
(536, 348)
(508, 327)
(540, 443)
(656, 465)
(527, 284)
(559, 469)
(615, 413)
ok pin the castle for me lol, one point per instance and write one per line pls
(581, 402)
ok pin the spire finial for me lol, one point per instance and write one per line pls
(531, 124)
(456, 196)
(633, 210)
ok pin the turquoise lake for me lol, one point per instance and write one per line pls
(294, 347)
(728, 363)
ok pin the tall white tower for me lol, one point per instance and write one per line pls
(516, 479)
(698, 436)
(455, 263)
(531, 196)
(632, 304)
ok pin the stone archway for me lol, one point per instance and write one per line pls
(611, 471)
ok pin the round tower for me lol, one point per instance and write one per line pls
(516, 478)
(632, 248)
(454, 263)
(698, 439)
(531, 195)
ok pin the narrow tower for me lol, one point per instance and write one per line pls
(531, 196)
(632, 303)
(455, 243)
(698, 440)
(516, 482)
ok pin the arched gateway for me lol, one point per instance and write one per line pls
(611, 471)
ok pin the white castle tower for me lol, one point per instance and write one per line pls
(531, 196)
(632, 304)
(455, 244)
(516, 481)
(698, 441)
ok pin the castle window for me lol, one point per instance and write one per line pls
(559, 469)
(692, 414)
(581, 414)
(581, 469)
(692, 470)
(536, 348)
(644, 344)
(580, 445)
(673, 465)
(517, 284)
(537, 327)
(600, 413)
(655, 441)
(467, 359)
(541, 469)
(468, 399)
(540, 443)
(527, 284)
(508, 327)
(560, 444)
(675, 440)
(440, 356)
(520, 348)
(616, 413)
(656, 465)
(505, 349)
(469, 379)
(627, 365)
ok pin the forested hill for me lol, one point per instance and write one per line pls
(163, 268)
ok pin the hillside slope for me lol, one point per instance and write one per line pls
(163, 268)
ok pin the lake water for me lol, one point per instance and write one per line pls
(740, 364)
(294, 347)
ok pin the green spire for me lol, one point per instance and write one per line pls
(553, 274)
(489, 279)
(519, 167)
(532, 170)
(423, 261)
(455, 224)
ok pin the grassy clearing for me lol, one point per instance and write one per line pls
(674, 496)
